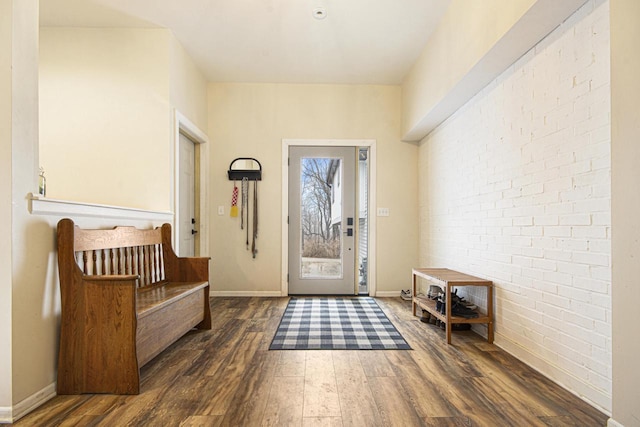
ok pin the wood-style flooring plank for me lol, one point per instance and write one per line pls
(421, 390)
(285, 402)
(375, 363)
(135, 411)
(357, 404)
(224, 383)
(291, 363)
(447, 422)
(394, 408)
(227, 377)
(320, 389)
(510, 386)
(251, 397)
(100, 404)
(322, 422)
(202, 421)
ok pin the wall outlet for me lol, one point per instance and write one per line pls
(383, 212)
(220, 210)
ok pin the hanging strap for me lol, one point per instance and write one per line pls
(247, 196)
(254, 250)
(245, 201)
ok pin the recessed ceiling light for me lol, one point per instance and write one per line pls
(319, 13)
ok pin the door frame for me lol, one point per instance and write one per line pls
(183, 125)
(371, 144)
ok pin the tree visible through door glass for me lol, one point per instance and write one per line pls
(321, 218)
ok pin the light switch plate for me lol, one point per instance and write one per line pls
(383, 212)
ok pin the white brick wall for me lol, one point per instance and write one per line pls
(516, 187)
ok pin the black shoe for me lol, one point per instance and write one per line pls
(462, 311)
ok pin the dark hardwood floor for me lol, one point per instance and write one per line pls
(228, 377)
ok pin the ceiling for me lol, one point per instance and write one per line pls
(278, 41)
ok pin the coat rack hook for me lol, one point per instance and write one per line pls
(250, 174)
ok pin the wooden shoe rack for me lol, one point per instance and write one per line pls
(447, 280)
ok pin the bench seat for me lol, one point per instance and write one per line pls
(163, 294)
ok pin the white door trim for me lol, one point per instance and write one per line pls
(184, 125)
(371, 144)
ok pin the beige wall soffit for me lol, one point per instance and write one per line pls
(542, 18)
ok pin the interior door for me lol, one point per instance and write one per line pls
(187, 180)
(322, 220)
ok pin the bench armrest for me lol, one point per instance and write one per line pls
(187, 269)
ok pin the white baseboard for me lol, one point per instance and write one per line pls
(11, 415)
(381, 294)
(245, 293)
(613, 423)
(6, 416)
(387, 294)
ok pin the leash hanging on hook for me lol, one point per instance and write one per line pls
(245, 201)
(254, 250)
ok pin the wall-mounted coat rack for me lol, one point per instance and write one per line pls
(250, 172)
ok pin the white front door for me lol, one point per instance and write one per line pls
(322, 220)
(187, 180)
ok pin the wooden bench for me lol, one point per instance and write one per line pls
(126, 297)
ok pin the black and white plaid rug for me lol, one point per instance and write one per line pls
(336, 324)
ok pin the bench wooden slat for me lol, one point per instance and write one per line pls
(117, 237)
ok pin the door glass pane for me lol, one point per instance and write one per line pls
(363, 220)
(321, 218)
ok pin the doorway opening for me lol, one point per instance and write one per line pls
(190, 198)
(322, 198)
(328, 235)
(187, 217)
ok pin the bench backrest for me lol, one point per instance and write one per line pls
(117, 251)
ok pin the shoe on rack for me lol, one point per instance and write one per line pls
(463, 311)
(426, 316)
(405, 294)
(434, 291)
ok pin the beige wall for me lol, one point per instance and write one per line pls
(250, 120)
(188, 86)
(625, 137)
(105, 130)
(106, 98)
(6, 44)
(33, 336)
